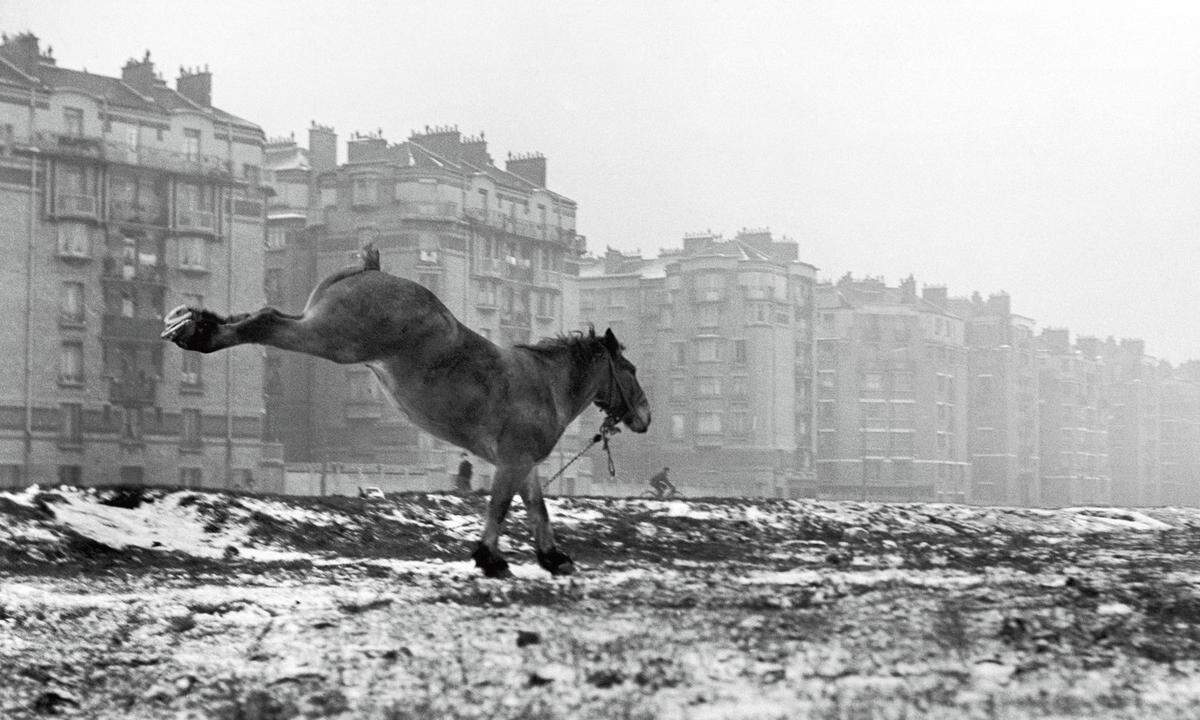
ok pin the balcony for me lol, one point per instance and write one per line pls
(175, 162)
(195, 220)
(434, 210)
(138, 212)
(69, 205)
(119, 328)
(521, 273)
(547, 278)
(133, 391)
(116, 270)
(71, 146)
(515, 319)
(489, 267)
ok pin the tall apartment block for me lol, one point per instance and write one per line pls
(123, 197)
(891, 393)
(1179, 436)
(496, 245)
(1073, 428)
(1003, 411)
(721, 332)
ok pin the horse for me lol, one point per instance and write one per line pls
(508, 406)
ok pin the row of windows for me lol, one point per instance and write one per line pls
(71, 367)
(132, 423)
(75, 240)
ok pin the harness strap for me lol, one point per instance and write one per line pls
(608, 428)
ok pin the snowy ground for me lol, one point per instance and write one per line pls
(129, 604)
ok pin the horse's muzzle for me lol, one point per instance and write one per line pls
(638, 420)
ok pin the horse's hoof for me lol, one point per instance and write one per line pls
(493, 564)
(556, 562)
(189, 328)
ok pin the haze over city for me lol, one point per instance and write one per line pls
(1048, 151)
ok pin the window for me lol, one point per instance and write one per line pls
(251, 173)
(131, 424)
(193, 253)
(678, 425)
(739, 423)
(70, 304)
(874, 443)
(70, 475)
(872, 381)
(902, 444)
(364, 191)
(826, 443)
(70, 364)
(709, 287)
(902, 415)
(191, 372)
(708, 350)
(678, 354)
(902, 381)
(708, 423)
(74, 240)
(738, 386)
(679, 387)
(70, 423)
(191, 144)
(825, 413)
(190, 477)
(189, 435)
(739, 351)
(708, 386)
(73, 121)
(276, 237)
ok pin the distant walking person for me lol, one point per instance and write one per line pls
(462, 481)
(663, 487)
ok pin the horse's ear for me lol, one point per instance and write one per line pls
(610, 342)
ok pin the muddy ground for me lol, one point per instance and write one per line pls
(148, 604)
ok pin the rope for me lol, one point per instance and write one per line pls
(608, 428)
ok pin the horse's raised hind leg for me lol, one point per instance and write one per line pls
(487, 553)
(548, 555)
(204, 331)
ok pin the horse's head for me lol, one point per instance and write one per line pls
(621, 396)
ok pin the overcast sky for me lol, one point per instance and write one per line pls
(1045, 149)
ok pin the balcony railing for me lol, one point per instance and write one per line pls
(131, 329)
(187, 163)
(115, 269)
(130, 211)
(132, 391)
(442, 210)
(200, 220)
(490, 267)
(515, 319)
(75, 206)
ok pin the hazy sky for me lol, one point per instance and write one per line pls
(1046, 149)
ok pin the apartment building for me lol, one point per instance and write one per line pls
(1002, 407)
(123, 197)
(891, 399)
(721, 332)
(1073, 426)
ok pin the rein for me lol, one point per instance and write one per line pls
(608, 428)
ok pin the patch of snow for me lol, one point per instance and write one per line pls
(1101, 519)
(866, 578)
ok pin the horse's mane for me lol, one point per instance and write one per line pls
(580, 346)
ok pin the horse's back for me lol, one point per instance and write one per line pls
(375, 309)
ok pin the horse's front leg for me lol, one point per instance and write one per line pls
(548, 554)
(487, 554)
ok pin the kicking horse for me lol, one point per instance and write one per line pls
(508, 406)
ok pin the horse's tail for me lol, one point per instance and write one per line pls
(370, 257)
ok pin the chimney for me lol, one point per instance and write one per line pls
(195, 85)
(443, 140)
(366, 147)
(139, 75)
(935, 294)
(528, 166)
(474, 151)
(614, 261)
(22, 50)
(1000, 304)
(322, 148)
(1135, 348)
